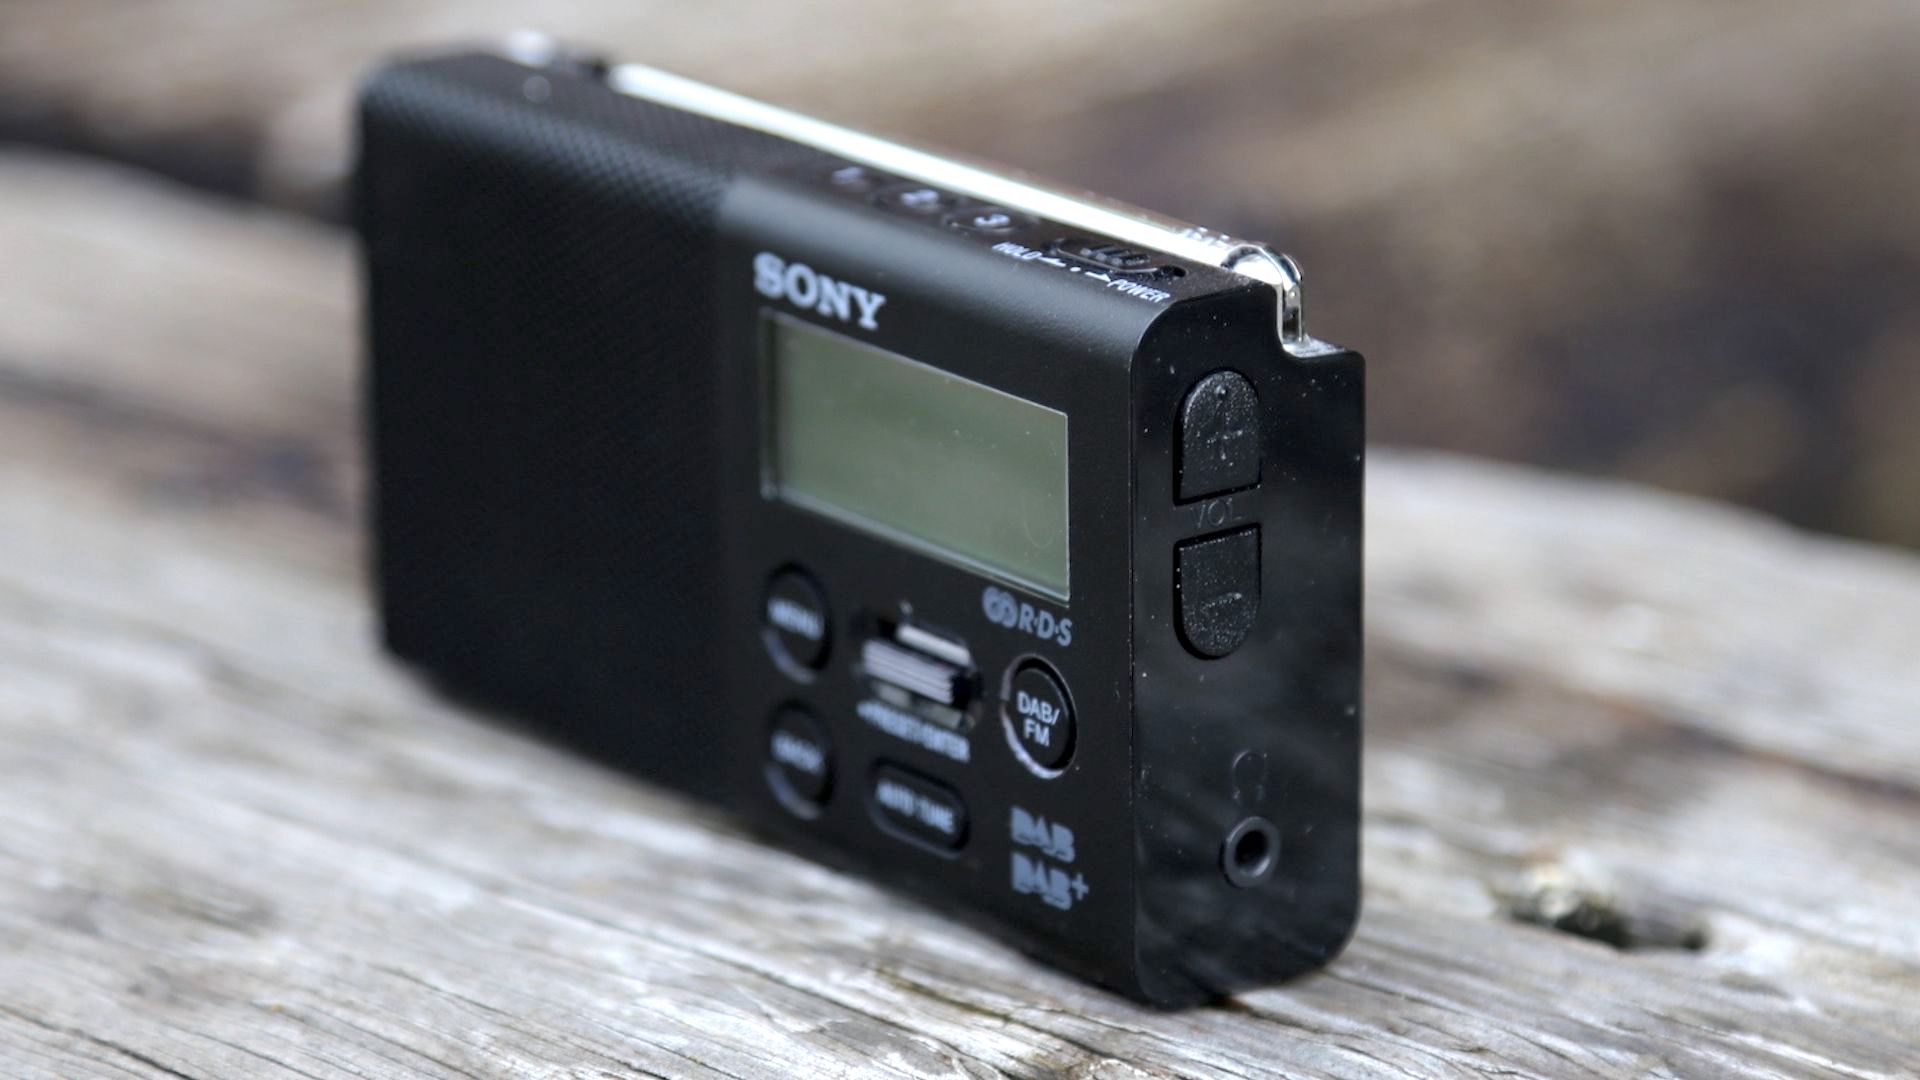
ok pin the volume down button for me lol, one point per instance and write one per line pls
(1217, 581)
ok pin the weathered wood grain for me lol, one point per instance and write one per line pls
(234, 841)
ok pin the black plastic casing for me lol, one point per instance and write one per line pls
(572, 520)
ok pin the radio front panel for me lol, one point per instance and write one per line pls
(965, 699)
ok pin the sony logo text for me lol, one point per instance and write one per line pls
(809, 290)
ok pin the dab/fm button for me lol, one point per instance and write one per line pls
(1040, 715)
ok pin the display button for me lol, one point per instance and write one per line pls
(1219, 436)
(988, 219)
(1217, 582)
(797, 625)
(1039, 715)
(917, 808)
(799, 760)
(916, 199)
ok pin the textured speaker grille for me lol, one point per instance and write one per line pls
(539, 276)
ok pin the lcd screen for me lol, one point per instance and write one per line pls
(916, 454)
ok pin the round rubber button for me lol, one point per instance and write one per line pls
(1219, 437)
(987, 219)
(1040, 715)
(857, 179)
(799, 760)
(916, 199)
(797, 623)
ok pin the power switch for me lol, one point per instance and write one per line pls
(1219, 436)
(1217, 582)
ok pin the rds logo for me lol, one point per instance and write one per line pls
(1004, 609)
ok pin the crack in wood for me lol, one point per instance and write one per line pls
(92, 1039)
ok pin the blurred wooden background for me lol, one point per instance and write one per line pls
(1674, 242)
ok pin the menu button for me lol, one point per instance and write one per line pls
(796, 621)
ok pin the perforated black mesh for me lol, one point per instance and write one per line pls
(540, 265)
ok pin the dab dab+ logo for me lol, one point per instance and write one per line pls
(1004, 609)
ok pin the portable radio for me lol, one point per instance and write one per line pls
(1000, 543)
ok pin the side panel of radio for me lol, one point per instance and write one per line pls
(1248, 649)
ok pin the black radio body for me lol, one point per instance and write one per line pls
(1001, 544)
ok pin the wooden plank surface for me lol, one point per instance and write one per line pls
(1642, 781)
